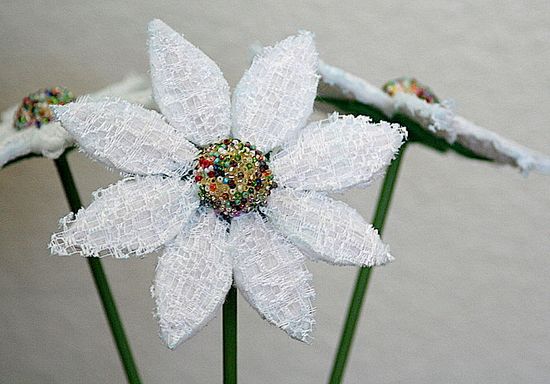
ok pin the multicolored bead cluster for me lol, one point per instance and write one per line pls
(233, 177)
(410, 85)
(35, 110)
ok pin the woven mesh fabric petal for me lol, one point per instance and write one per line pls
(431, 116)
(338, 153)
(435, 117)
(352, 85)
(192, 278)
(440, 119)
(271, 274)
(275, 96)
(500, 149)
(51, 139)
(135, 216)
(188, 86)
(126, 136)
(326, 229)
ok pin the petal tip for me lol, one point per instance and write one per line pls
(54, 246)
(297, 44)
(303, 40)
(383, 259)
(306, 35)
(302, 332)
(159, 31)
(59, 110)
(169, 338)
(305, 337)
(158, 25)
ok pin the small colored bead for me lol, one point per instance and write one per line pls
(412, 86)
(34, 109)
(233, 177)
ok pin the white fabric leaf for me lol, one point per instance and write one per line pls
(338, 153)
(275, 96)
(127, 137)
(188, 86)
(135, 216)
(271, 274)
(192, 278)
(327, 229)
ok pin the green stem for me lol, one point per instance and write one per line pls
(100, 279)
(230, 337)
(361, 284)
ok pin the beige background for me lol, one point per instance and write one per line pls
(467, 299)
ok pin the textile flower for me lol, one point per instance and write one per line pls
(235, 191)
(27, 128)
(408, 97)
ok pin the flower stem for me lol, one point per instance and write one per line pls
(100, 279)
(361, 284)
(230, 337)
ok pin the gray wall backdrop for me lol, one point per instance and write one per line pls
(467, 299)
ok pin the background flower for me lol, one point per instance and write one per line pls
(438, 118)
(50, 139)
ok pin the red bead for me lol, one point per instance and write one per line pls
(198, 178)
(212, 187)
(204, 162)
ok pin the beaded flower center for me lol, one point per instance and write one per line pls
(412, 86)
(233, 177)
(35, 108)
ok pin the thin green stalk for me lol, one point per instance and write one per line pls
(100, 280)
(230, 337)
(361, 284)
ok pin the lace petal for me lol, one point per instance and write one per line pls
(188, 86)
(133, 217)
(192, 278)
(271, 274)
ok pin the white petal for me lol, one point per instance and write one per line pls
(338, 153)
(360, 89)
(16, 144)
(327, 229)
(271, 274)
(495, 147)
(430, 116)
(275, 97)
(188, 86)
(126, 136)
(435, 117)
(439, 118)
(51, 139)
(192, 278)
(135, 216)
(133, 88)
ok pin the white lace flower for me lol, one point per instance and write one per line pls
(225, 209)
(439, 118)
(18, 139)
